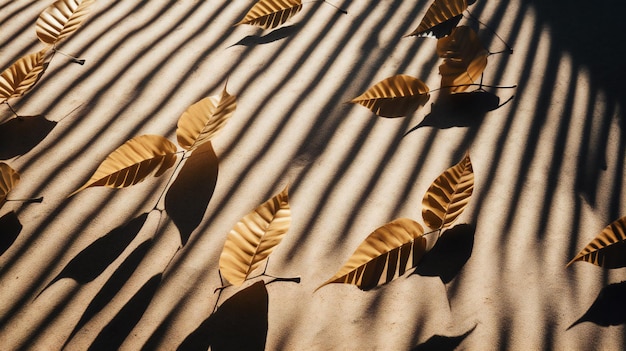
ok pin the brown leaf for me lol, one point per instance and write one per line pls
(204, 119)
(254, 238)
(448, 195)
(61, 19)
(395, 96)
(439, 12)
(465, 59)
(8, 180)
(395, 248)
(132, 162)
(270, 14)
(16, 80)
(599, 250)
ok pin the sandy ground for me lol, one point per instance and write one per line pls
(549, 175)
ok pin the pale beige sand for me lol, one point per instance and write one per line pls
(549, 171)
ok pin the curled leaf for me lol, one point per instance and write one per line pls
(440, 13)
(601, 250)
(395, 248)
(61, 19)
(465, 59)
(204, 119)
(254, 237)
(8, 180)
(270, 14)
(448, 195)
(16, 80)
(395, 96)
(132, 162)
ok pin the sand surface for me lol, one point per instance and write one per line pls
(549, 175)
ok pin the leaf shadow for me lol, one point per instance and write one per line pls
(460, 110)
(96, 257)
(443, 343)
(450, 253)
(115, 332)
(188, 197)
(240, 323)
(608, 309)
(112, 285)
(10, 228)
(275, 35)
(21, 134)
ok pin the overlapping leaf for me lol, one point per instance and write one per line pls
(438, 14)
(254, 237)
(270, 14)
(204, 119)
(465, 59)
(448, 195)
(395, 247)
(132, 162)
(61, 19)
(8, 180)
(21, 76)
(395, 96)
(598, 251)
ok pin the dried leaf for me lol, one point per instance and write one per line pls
(395, 248)
(132, 162)
(254, 238)
(270, 14)
(599, 252)
(439, 13)
(395, 96)
(448, 195)
(204, 119)
(61, 19)
(465, 59)
(21, 76)
(8, 180)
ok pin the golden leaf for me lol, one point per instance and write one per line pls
(395, 96)
(270, 14)
(599, 252)
(439, 12)
(61, 19)
(204, 119)
(465, 59)
(21, 76)
(132, 162)
(448, 195)
(8, 180)
(395, 248)
(254, 238)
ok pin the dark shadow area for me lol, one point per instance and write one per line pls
(446, 259)
(188, 197)
(240, 323)
(10, 228)
(443, 343)
(112, 286)
(460, 110)
(95, 258)
(609, 308)
(113, 335)
(20, 135)
(612, 256)
(275, 35)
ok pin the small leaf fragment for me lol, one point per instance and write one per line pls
(438, 14)
(8, 180)
(270, 14)
(599, 251)
(61, 19)
(465, 59)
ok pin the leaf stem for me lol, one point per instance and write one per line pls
(169, 181)
(72, 58)
(12, 110)
(35, 200)
(509, 49)
(345, 12)
(476, 85)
